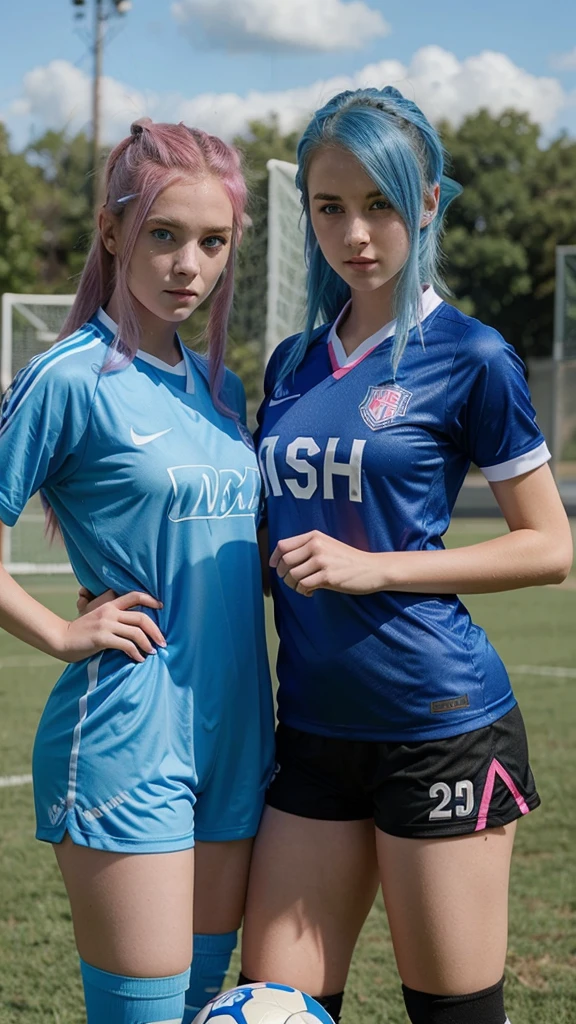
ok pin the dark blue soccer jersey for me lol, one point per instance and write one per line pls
(377, 459)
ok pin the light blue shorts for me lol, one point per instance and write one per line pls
(126, 759)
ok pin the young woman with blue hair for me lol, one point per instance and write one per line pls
(402, 756)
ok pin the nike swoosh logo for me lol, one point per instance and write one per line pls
(278, 401)
(140, 439)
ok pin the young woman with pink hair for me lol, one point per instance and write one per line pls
(159, 732)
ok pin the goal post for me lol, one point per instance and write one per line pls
(30, 325)
(269, 306)
(286, 278)
(563, 397)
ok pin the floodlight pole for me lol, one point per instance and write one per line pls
(102, 9)
(99, 22)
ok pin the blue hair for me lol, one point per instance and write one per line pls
(403, 155)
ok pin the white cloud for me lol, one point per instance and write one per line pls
(316, 25)
(447, 88)
(564, 61)
(58, 95)
(441, 84)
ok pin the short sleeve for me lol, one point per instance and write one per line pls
(489, 412)
(42, 429)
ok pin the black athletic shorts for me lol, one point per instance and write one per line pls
(422, 789)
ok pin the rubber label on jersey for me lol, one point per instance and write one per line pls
(451, 704)
(383, 405)
(57, 812)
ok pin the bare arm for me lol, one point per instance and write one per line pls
(537, 550)
(112, 625)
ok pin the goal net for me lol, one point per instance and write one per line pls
(564, 356)
(553, 378)
(269, 305)
(286, 290)
(30, 325)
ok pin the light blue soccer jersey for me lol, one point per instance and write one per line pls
(156, 491)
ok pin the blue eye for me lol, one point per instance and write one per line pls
(162, 235)
(381, 204)
(330, 209)
(214, 242)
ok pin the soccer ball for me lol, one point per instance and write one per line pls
(263, 1003)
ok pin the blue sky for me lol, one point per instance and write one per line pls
(217, 63)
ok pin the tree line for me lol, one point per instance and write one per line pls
(518, 204)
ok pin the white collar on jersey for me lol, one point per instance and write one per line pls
(181, 369)
(430, 301)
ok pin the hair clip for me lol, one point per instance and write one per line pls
(137, 128)
(126, 199)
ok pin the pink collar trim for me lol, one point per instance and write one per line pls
(342, 363)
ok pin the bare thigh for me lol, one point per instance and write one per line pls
(220, 883)
(311, 886)
(447, 904)
(132, 913)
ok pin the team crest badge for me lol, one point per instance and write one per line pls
(245, 435)
(383, 405)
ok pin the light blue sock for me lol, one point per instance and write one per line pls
(114, 999)
(210, 962)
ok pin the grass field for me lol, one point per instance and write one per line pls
(534, 630)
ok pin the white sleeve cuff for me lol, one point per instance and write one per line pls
(515, 467)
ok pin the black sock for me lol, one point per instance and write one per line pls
(484, 1007)
(332, 1004)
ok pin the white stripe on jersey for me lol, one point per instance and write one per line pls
(66, 345)
(515, 467)
(38, 377)
(92, 669)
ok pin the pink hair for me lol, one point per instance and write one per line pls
(140, 167)
(138, 170)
